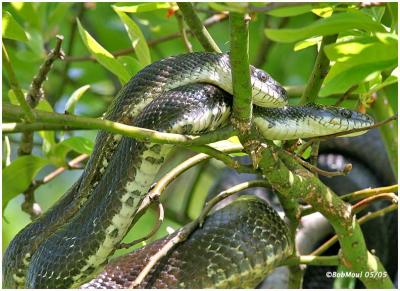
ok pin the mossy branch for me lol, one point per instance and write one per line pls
(292, 180)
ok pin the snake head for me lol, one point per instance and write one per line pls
(266, 91)
(338, 119)
(347, 119)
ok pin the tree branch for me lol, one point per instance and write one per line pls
(312, 261)
(198, 29)
(361, 194)
(361, 221)
(319, 72)
(239, 58)
(142, 134)
(291, 180)
(183, 33)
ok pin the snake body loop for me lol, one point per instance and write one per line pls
(65, 246)
(144, 87)
(239, 244)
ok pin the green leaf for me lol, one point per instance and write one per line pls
(131, 64)
(382, 46)
(78, 144)
(291, 10)
(19, 174)
(347, 78)
(58, 13)
(324, 11)
(73, 100)
(146, 7)
(357, 59)
(13, 97)
(11, 28)
(27, 12)
(331, 25)
(36, 43)
(105, 58)
(389, 81)
(307, 43)
(137, 38)
(393, 12)
(223, 7)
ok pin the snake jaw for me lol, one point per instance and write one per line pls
(266, 91)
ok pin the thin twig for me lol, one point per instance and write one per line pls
(361, 221)
(182, 31)
(152, 42)
(71, 165)
(346, 95)
(71, 41)
(159, 188)
(36, 91)
(187, 201)
(79, 122)
(314, 154)
(303, 147)
(367, 201)
(361, 194)
(156, 227)
(223, 157)
(312, 261)
(346, 169)
(183, 233)
(198, 29)
(357, 195)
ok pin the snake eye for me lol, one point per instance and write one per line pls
(346, 113)
(262, 76)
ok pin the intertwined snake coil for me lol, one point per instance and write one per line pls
(188, 94)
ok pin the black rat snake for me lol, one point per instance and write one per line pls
(187, 94)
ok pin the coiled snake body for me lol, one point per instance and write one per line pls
(65, 246)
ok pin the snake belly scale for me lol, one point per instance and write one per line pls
(65, 246)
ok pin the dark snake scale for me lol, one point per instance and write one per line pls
(188, 94)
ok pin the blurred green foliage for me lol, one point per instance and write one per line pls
(100, 58)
